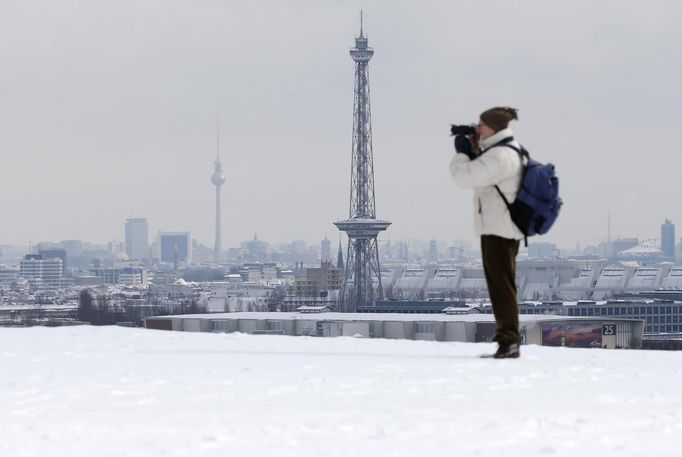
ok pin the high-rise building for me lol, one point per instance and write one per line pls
(668, 240)
(52, 252)
(362, 278)
(325, 250)
(433, 251)
(42, 272)
(317, 282)
(137, 238)
(74, 249)
(218, 179)
(175, 247)
(299, 248)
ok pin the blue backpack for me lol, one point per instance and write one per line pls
(537, 202)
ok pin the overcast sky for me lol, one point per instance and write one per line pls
(107, 111)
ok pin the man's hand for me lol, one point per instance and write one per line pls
(463, 145)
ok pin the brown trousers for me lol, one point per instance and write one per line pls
(499, 264)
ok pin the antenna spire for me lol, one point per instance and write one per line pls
(217, 132)
(361, 25)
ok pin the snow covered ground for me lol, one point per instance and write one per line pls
(108, 391)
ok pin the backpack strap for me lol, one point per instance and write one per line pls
(522, 153)
(506, 202)
(502, 142)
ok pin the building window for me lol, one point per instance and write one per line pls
(425, 327)
(276, 326)
(220, 326)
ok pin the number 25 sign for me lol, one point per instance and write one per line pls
(608, 329)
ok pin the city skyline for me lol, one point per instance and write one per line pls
(136, 136)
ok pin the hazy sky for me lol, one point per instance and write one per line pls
(107, 111)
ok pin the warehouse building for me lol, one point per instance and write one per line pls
(544, 330)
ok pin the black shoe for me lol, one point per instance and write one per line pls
(507, 351)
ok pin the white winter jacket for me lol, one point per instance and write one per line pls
(499, 165)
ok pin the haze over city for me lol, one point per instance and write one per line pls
(213, 237)
(109, 112)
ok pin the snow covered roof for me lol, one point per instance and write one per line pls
(314, 309)
(640, 250)
(386, 317)
(460, 309)
(291, 396)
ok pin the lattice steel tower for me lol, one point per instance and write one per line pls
(362, 280)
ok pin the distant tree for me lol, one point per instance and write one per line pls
(86, 310)
(274, 301)
(194, 308)
(191, 307)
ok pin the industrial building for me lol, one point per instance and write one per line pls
(545, 330)
(538, 280)
(659, 316)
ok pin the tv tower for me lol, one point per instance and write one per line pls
(362, 279)
(218, 179)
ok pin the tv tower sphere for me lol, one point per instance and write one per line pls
(218, 177)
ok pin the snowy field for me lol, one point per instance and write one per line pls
(86, 391)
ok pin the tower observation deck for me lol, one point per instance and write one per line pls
(362, 278)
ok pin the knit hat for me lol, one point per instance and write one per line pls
(498, 118)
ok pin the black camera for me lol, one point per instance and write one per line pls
(462, 129)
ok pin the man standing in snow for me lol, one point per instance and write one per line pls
(483, 163)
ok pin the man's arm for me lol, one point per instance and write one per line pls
(485, 170)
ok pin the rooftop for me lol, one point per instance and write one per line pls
(102, 391)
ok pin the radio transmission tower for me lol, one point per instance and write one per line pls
(362, 279)
(218, 179)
